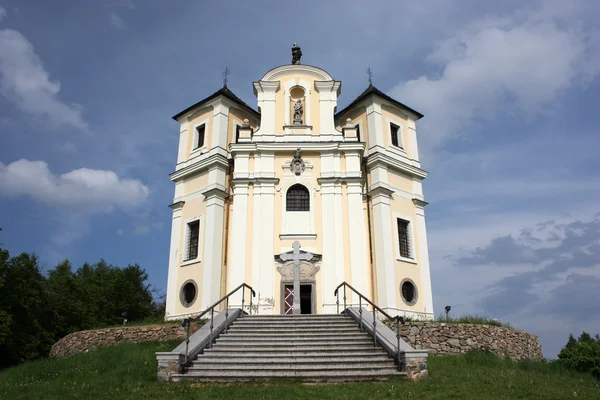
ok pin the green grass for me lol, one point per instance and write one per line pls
(473, 319)
(128, 371)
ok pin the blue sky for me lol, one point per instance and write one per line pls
(510, 134)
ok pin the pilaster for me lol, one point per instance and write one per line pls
(213, 245)
(329, 269)
(374, 121)
(359, 264)
(237, 247)
(265, 92)
(220, 124)
(183, 141)
(426, 292)
(383, 247)
(173, 258)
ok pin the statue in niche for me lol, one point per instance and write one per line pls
(296, 54)
(298, 111)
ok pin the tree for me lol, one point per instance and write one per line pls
(582, 354)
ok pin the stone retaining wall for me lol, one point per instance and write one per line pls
(448, 338)
(83, 341)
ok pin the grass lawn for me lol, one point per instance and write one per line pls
(128, 371)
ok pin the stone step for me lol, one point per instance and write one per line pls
(293, 334)
(273, 325)
(277, 330)
(286, 353)
(303, 316)
(271, 358)
(294, 320)
(306, 376)
(292, 366)
(270, 347)
(294, 344)
(292, 337)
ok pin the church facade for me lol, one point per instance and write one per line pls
(346, 185)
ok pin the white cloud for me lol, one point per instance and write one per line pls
(25, 82)
(2, 13)
(83, 189)
(116, 21)
(515, 65)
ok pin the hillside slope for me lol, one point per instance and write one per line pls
(128, 371)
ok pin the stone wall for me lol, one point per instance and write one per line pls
(83, 341)
(448, 338)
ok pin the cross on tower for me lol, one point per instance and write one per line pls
(370, 74)
(296, 257)
(225, 76)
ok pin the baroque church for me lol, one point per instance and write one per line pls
(346, 185)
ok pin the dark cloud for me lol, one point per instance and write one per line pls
(575, 299)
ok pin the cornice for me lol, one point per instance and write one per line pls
(292, 146)
(379, 158)
(177, 205)
(380, 189)
(419, 202)
(212, 160)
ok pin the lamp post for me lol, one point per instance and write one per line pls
(447, 308)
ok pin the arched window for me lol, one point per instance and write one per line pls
(297, 198)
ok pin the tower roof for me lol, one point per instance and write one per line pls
(224, 91)
(373, 90)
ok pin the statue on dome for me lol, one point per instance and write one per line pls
(296, 54)
(298, 111)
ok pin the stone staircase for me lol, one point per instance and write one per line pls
(306, 347)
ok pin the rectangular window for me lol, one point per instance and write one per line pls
(193, 237)
(404, 238)
(394, 131)
(200, 130)
(237, 133)
(357, 126)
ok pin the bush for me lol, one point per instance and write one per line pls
(473, 319)
(582, 354)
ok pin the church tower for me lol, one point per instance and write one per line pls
(346, 185)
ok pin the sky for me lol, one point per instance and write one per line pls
(510, 92)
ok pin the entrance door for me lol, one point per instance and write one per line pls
(305, 299)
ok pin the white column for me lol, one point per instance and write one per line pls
(330, 278)
(172, 290)
(383, 246)
(213, 247)
(220, 125)
(327, 101)
(425, 290)
(359, 264)
(237, 249)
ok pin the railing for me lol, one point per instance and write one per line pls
(399, 320)
(187, 322)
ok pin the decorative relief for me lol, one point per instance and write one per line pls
(297, 164)
(308, 270)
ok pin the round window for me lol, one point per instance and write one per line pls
(408, 290)
(188, 293)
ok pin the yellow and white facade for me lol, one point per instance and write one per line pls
(347, 185)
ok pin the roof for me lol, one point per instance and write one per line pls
(373, 90)
(224, 91)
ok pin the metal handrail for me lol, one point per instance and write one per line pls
(399, 319)
(187, 321)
